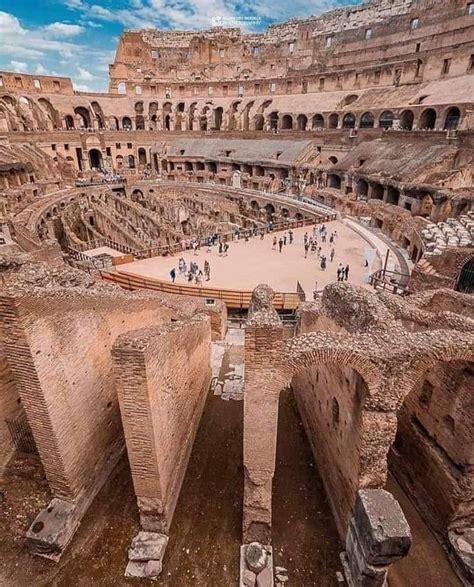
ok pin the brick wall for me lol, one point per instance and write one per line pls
(164, 375)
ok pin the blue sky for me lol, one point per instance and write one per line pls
(77, 38)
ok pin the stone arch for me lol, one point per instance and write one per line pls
(273, 120)
(427, 119)
(287, 122)
(139, 122)
(142, 160)
(349, 120)
(113, 123)
(126, 123)
(95, 159)
(84, 116)
(218, 117)
(332, 159)
(333, 120)
(367, 120)
(464, 281)
(301, 122)
(69, 122)
(386, 119)
(334, 181)
(99, 114)
(452, 118)
(258, 121)
(317, 121)
(50, 112)
(406, 120)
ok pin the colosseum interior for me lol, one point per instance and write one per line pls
(237, 308)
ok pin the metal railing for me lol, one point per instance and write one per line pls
(393, 281)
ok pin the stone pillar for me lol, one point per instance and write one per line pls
(378, 535)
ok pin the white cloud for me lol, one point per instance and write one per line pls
(63, 29)
(19, 65)
(82, 88)
(94, 25)
(84, 75)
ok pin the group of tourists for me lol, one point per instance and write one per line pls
(193, 273)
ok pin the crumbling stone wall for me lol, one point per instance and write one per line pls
(163, 374)
(432, 456)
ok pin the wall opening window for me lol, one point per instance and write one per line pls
(446, 66)
(273, 87)
(368, 34)
(415, 23)
(322, 81)
(221, 52)
(138, 90)
(37, 84)
(121, 88)
(328, 41)
(154, 54)
(291, 48)
(470, 8)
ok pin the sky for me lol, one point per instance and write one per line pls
(78, 38)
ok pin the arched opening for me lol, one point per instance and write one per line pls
(333, 120)
(168, 122)
(349, 120)
(138, 107)
(270, 211)
(465, 280)
(273, 121)
(318, 121)
(137, 195)
(334, 181)
(362, 188)
(259, 170)
(393, 195)
(131, 162)
(139, 122)
(301, 122)
(386, 119)
(219, 114)
(451, 121)
(121, 88)
(126, 123)
(367, 120)
(406, 120)
(376, 191)
(69, 120)
(99, 114)
(84, 117)
(142, 156)
(287, 122)
(255, 206)
(95, 159)
(113, 123)
(332, 159)
(259, 121)
(427, 119)
(212, 166)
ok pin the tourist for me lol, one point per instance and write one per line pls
(333, 252)
(346, 272)
(306, 247)
(198, 277)
(274, 243)
(340, 272)
(284, 239)
(220, 249)
(331, 239)
(280, 244)
(207, 270)
(305, 238)
(226, 248)
(173, 274)
(290, 234)
(323, 263)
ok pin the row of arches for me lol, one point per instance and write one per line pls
(428, 120)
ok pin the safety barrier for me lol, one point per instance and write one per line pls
(235, 299)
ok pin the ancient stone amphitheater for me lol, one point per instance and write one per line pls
(264, 423)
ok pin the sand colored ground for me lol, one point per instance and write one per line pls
(250, 263)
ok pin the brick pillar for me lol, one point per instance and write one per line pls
(378, 535)
(263, 383)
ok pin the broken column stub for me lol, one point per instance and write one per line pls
(378, 535)
(256, 565)
(146, 554)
